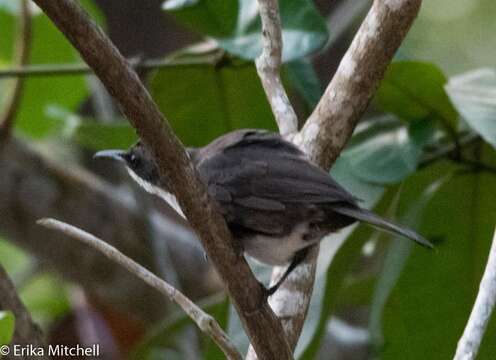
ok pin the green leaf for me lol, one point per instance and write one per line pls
(336, 275)
(45, 298)
(98, 136)
(216, 18)
(13, 258)
(14, 7)
(207, 101)
(48, 46)
(396, 258)
(431, 302)
(7, 327)
(304, 31)
(90, 133)
(220, 312)
(385, 151)
(474, 96)
(304, 79)
(413, 91)
(237, 28)
(163, 337)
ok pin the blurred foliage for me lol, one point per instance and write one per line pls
(474, 95)
(414, 91)
(217, 101)
(454, 34)
(7, 327)
(303, 29)
(419, 300)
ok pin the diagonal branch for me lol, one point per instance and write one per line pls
(123, 84)
(26, 331)
(331, 124)
(468, 345)
(268, 64)
(205, 322)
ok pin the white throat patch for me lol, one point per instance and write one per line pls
(167, 196)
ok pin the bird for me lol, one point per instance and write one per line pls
(275, 201)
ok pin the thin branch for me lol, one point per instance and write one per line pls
(469, 343)
(26, 331)
(331, 124)
(448, 151)
(268, 67)
(81, 69)
(247, 295)
(30, 185)
(23, 47)
(205, 322)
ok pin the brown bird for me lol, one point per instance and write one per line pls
(275, 201)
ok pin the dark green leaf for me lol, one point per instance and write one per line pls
(49, 46)
(303, 31)
(203, 102)
(385, 151)
(221, 313)
(163, 337)
(7, 326)
(336, 275)
(98, 136)
(216, 18)
(430, 304)
(304, 79)
(413, 91)
(237, 28)
(474, 96)
(396, 257)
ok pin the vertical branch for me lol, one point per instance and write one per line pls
(469, 343)
(331, 124)
(21, 58)
(268, 67)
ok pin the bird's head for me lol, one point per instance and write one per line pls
(139, 163)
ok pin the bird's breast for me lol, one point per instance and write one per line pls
(277, 250)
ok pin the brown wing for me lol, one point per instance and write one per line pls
(264, 183)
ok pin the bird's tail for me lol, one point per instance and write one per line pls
(377, 221)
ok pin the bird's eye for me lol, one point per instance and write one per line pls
(133, 160)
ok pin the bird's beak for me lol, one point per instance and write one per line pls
(110, 154)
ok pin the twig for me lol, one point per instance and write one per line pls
(205, 322)
(24, 168)
(448, 150)
(268, 67)
(80, 69)
(331, 124)
(469, 343)
(23, 46)
(174, 165)
(26, 331)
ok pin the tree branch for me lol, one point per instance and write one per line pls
(21, 58)
(31, 186)
(268, 64)
(331, 124)
(121, 81)
(469, 343)
(205, 322)
(80, 69)
(26, 331)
